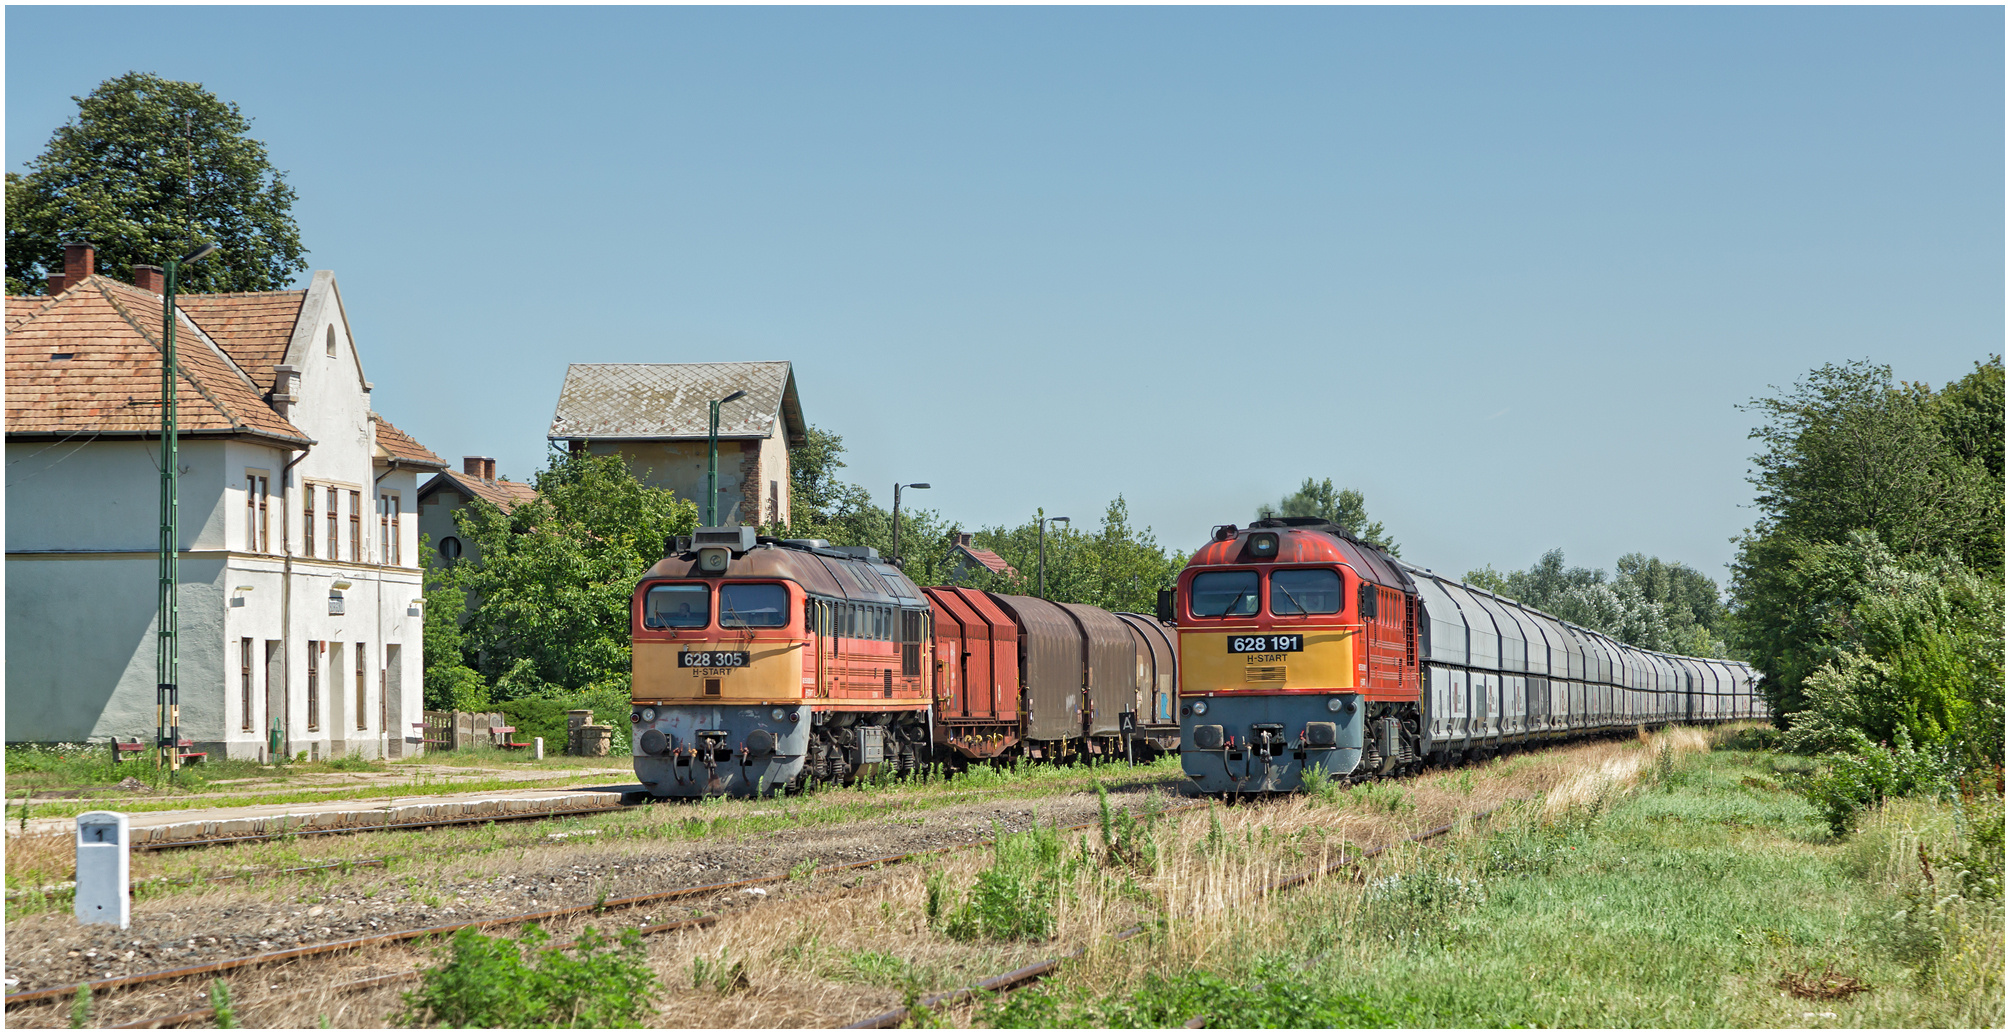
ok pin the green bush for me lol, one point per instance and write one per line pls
(1864, 775)
(545, 715)
(1014, 898)
(496, 982)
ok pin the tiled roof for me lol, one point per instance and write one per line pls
(110, 380)
(670, 400)
(398, 445)
(989, 559)
(505, 494)
(254, 328)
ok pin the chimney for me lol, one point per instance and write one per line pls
(79, 261)
(55, 284)
(285, 390)
(963, 539)
(488, 468)
(483, 467)
(150, 278)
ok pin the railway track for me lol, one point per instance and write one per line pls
(172, 978)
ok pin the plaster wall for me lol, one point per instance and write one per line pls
(105, 495)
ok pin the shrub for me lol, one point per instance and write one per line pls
(496, 982)
(1014, 898)
(1126, 841)
(1863, 776)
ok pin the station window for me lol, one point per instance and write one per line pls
(677, 606)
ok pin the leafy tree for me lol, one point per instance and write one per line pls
(1848, 449)
(1650, 603)
(1115, 567)
(1872, 582)
(552, 586)
(150, 169)
(450, 684)
(1881, 645)
(1343, 506)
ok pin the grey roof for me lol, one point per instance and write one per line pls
(660, 401)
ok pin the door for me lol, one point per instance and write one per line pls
(395, 727)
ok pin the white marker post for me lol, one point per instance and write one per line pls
(104, 868)
(537, 747)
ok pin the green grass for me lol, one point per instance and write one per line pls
(1685, 903)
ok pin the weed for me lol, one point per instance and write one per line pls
(1380, 796)
(805, 871)
(1014, 899)
(721, 973)
(935, 906)
(1126, 841)
(80, 1008)
(219, 1001)
(497, 982)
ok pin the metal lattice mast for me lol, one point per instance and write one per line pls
(167, 652)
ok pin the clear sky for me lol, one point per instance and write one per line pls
(1508, 272)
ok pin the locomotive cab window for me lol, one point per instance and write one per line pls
(678, 606)
(753, 605)
(1305, 592)
(1216, 594)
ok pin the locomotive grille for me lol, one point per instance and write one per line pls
(1264, 673)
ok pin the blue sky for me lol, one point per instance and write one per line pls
(1508, 272)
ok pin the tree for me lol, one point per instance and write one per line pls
(551, 590)
(1847, 449)
(1881, 511)
(1650, 603)
(1343, 506)
(149, 170)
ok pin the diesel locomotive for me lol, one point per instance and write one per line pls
(1307, 654)
(761, 665)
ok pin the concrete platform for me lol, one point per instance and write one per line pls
(165, 828)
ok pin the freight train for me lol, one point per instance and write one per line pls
(1306, 653)
(766, 664)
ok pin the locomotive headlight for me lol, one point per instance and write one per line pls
(648, 714)
(1333, 704)
(1263, 547)
(1200, 707)
(778, 713)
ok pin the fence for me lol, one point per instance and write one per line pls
(458, 730)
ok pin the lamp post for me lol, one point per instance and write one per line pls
(1044, 521)
(167, 632)
(895, 559)
(712, 462)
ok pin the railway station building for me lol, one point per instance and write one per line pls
(300, 588)
(655, 416)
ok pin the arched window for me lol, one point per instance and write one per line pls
(331, 340)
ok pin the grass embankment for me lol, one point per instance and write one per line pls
(34, 862)
(1695, 890)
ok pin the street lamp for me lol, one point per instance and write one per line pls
(1044, 521)
(167, 627)
(712, 462)
(895, 559)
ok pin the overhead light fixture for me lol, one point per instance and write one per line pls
(341, 583)
(243, 589)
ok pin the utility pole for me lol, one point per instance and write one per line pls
(895, 558)
(1044, 520)
(712, 463)
(167, 637)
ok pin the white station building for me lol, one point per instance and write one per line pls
(300, 584)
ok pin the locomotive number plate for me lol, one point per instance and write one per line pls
(712, 659)
(1266, 643)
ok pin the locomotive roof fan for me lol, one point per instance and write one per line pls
(718, 546)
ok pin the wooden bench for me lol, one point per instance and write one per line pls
(504, 736)
(190, 757)
(121, 748)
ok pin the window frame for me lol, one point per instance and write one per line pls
(362, 687)
(785, 610)
(1255, 573)
(1339, 589)
(704, 590)
(314, 648)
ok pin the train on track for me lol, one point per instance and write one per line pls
(765, 664)
(1286, 649)
(1306, 653)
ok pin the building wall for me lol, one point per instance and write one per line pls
(680, 467)
(82, 581)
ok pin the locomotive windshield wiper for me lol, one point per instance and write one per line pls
(1231, 604)
(1288, 596)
